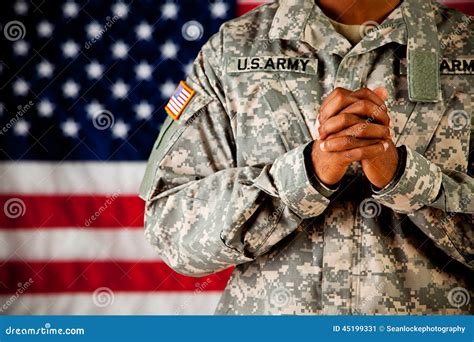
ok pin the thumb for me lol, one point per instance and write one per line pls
(381, 92)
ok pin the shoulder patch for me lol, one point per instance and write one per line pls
(179, 100)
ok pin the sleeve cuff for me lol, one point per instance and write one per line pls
(417, 185)
(295, 186)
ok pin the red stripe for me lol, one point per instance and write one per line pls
(72, 277)
(467, 8)
(244, 8)
(47, 211)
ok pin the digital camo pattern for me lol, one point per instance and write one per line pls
(228, 184)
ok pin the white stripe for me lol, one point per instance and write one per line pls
(183, 97)
(121, 303)
(71, 177)
(76, 244)
(180, 100)
(176, 103)
(174, 111)
(185, 92)
(172, 105)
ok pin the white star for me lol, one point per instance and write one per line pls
(144, 31)
(21, 127)
(120, 10)
(71, 89)
(45, 69)
(21, 47)
(94, 108)
(120, 49)
(120, 129)
(21, 87)
(169, 50)
(21, 8)
(70, 128)
(70, 49)
(143, 71)
(93, 29)
(188, 68)
(143, 110)
(45, 108)
(167, 89)
(219, 9)
(70, 9)
(169, 10)
(120, 89)
(45, 29)
(94, 70)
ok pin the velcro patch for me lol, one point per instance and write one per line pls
(272, 64)
(179, 100)
(458, 66)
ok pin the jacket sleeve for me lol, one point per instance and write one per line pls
(205, 213)
(439, 202)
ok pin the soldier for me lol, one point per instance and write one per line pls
(333, 171)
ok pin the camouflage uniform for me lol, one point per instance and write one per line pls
(229, 183)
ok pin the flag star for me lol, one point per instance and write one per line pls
(70, 128)
(94, 108)
(20, 7)
(45, 29)
(21, 128)
(21, 47)
(167, 89)
(169, 50)
(120, 89)
(143, 71)
(94, 70)
(70, 49)
(120, 49)
(169, 10)
(93, 29)
(120, 129)
(71, 89)
(188, 68)
(120, 10)
(45, 69)
(219, 9)
(45, 108)
(70, 9)
(21, 87)
(144, 31)
(143, 110)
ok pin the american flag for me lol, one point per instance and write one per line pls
(83, 86)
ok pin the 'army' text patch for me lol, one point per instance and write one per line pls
(272, 64)
(458, 66)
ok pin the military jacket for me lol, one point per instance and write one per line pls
(229, 183)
